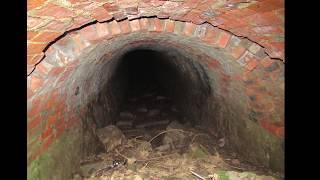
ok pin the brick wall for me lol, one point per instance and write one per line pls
(239, 45)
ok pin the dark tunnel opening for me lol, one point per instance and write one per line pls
(148, 85)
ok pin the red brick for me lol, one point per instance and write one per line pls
(169, 26)
(223, 39)
(144, 23)
(189, 29)
(102, 30)
(54, 11)
(237, 51)
(266, 62)
(124, 26)
(33, 59)
(42, 69)
(31, 35)
(194, 17)
(35, 83)
(151, 24)
(89, 33)
(110, 7)
(81, 20)
(31, 4)
(35, 48)
(273, 129)
(158, 25)
(56, 71)
(46, 37)
(261, 7)
(115, 29)
(101, 14)
(57, 26)
(211, 35)
(252, 64)
(135, 25)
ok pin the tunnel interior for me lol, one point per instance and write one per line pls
(148, 86)
(136, 83)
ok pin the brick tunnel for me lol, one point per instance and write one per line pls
(88, 60)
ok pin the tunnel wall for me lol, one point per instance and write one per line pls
(246, 105)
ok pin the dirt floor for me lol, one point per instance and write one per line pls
(149, 142)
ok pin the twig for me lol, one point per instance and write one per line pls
(197, 175)
(143, 160)
(235, 167)
(166, 132)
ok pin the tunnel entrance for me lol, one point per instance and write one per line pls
(153, 111)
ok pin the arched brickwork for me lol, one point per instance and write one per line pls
(66, 56)
(261, 21)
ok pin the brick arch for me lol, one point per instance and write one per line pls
(242, 68)
(49, 20)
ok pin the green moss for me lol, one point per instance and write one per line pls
(222, 175)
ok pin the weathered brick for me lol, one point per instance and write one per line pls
(102, 30)
(144, 23)
(35, 48)
(110, 8)
(31, 35)
(89, 33)
(245, 58)
(54, 11)
(114, 27)
(252, 64)
(200, 31)
(158, 24)
(178, 27)
(36, 83)
(46, 37)
(237, 51)
(151, 24)
(31, 4)
(57, 26)
(223, 39)
(135, 25)
(33, 59)
(101, 14)
(124, 26)
(211, 36)
(266, 62)
(169, 25)
(42, 69)
(254, 48)
(189, 28)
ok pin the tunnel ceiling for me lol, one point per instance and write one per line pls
(261, 21)
(234, 47)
